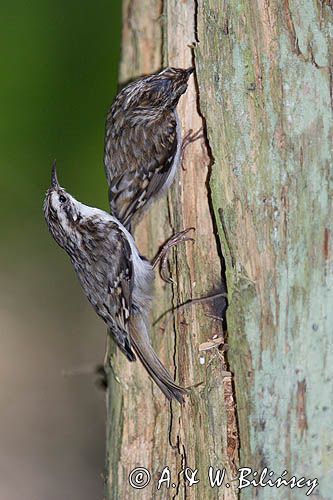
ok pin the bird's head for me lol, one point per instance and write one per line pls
(159, 91)
(62, 212)
(166, 87)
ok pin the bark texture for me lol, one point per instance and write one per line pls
(261, 195)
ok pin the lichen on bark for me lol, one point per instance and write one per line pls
(264, 77)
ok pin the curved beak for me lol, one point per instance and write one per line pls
(54, 179)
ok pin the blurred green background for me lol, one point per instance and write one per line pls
(59, 64)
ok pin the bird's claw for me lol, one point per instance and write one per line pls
(188, 139)
(162, 256)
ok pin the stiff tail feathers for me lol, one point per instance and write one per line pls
(142, 347)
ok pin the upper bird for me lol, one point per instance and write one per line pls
(116, 279)
(143, 142)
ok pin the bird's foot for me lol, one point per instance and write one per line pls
(161, 258)
(189, 138)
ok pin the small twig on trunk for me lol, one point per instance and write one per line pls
(188, 303)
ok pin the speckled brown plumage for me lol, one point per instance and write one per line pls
(143, 142)
(116, 279)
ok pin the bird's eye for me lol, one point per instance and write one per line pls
(62, 198)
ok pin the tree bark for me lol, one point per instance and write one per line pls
(258, 191)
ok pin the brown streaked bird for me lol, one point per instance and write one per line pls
(143, 142)
(116, 279)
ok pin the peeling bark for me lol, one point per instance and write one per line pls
(143, 429)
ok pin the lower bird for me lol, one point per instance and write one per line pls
(116, 279)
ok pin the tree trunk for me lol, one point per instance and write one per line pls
(259, 192)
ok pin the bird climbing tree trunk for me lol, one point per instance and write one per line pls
(258, 190)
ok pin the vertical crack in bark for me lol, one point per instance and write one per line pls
(182, 454)
(233, 444)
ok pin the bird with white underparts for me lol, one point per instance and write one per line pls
(116, 279)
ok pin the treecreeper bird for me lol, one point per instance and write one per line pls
(116, 279)
(143, 142)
